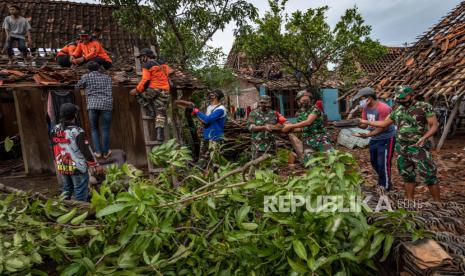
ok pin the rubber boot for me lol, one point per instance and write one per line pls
(160, 132)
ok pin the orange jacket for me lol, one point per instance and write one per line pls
(90, 50)
(67, 50)
(155, 76)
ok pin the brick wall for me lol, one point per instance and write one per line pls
(248, 95)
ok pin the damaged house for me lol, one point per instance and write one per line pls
(30, 95)
(269, 78)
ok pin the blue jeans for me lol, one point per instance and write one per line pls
(381, 152)
(21, 46)
(94, 118)
(76, 184)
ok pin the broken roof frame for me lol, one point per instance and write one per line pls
(434, 65)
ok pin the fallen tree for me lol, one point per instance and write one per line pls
(147, 227)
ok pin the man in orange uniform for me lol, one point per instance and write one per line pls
(64, 55)
(152, 92)
(89, 49)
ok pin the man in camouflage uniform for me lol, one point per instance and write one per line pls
(312, 121)
(152, 92)
(416, 122)
(260, 122)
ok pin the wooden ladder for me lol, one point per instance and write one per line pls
(150, 141)
(147, 127)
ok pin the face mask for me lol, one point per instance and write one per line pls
(264, 107)
(363, 103)
(404, 103)
(306, 104)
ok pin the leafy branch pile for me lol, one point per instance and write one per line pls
(212, 224)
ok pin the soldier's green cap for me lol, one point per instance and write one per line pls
(402, 91)
(302, 93)
(265, 98)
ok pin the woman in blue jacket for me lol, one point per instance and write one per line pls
(213, 127)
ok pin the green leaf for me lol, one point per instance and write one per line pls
(322, 261)
(8, 143)
(242, 213)
(111, 209)
(249, 226)
(79, 219)
(181, 253)
(388, 241)
(111, 249)
(296, 266)
(66, 217)
(71, 270)
(340, 168)
(211, 203)
(299, 249)
(129, 230)
(88, 264)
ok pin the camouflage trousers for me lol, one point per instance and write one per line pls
(319, 143)
(411, 157)
(155, 103)
(259, 148)
(209, 152)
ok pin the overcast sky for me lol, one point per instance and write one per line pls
(393, 22)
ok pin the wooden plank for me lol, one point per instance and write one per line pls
(138, 65)
(35, 145)
(449, 123)
(137, 153)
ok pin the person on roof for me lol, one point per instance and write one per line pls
(89, 49)
(312, 121)
(97, 34)
(17, 30)
(213, 127)
(152, 92)
(382, 140)
(63, 57)
(416, 122)
(260, 123)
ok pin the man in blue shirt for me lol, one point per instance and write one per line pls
(213, 127)
(382, 140)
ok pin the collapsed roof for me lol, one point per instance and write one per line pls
(435, 64)
(56, 23)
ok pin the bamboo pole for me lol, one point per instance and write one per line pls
(449, 123)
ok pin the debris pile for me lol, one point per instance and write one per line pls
(51, 75)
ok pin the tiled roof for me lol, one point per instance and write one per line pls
(371, 69)
(435, 64)
(57, 23)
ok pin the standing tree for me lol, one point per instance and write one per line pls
(180, 29)
(305, 43)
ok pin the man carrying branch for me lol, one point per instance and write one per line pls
(260, 123)
(311, 119)
(416, 122)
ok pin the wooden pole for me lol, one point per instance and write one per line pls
(449, 123)
(138, 65)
